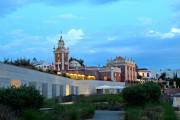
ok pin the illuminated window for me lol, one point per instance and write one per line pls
(16, 83)
(67, 90)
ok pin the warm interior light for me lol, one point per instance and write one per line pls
(15, 83)
(67, 90)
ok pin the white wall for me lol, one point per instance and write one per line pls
(27, 76)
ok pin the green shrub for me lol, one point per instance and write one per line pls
(153, 91)
(21, 98)
(151, 111)
(86, 110)
(141, 94)
(169, 113)
(6, 113)
(32, 114)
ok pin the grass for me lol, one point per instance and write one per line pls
(151, 111)
(61, 112)
(112, 99)
(85, 106)
(103, 102)
(169, 113)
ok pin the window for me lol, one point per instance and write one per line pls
(61, 90)
(54, 90)
(147, 74)
(45, 89)
(32, 84)
(16, 83)
(67, 89)
(72, 90)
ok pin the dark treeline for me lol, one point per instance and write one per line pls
(24, 62)
(175, 78)
(81, 62)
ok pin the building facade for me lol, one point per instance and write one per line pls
(145, 73)
(98, 73)
(128, 68)
(61, 56)
(49, 85)
(118, 69)
(110, 74)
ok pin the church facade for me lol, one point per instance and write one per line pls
(61, 56)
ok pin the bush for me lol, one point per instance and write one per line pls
(140, 94)
(152, 111)
(21, 98)
(153, 91)
(6, 113)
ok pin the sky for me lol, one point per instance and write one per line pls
(148, 31)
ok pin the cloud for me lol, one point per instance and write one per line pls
(71, 37)
(112, 38)
(174, 32)
(56, 19)
(68, 16)
(103, 1)
(8, 6)
(145, 21)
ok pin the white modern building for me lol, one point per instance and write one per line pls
(49, 85)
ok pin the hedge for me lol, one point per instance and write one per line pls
(142, 93)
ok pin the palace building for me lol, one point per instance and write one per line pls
(61, 54)
(118, 69)
(127, 66)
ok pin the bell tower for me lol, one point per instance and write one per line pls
(61, 54)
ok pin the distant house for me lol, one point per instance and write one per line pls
(144, 73)
(74, 64)
(44, 66)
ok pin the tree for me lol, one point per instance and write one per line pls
(141, 94)
(162, 76)
(81, 62)
(138, 75)
(21, 98)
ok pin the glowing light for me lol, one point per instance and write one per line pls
(15, 83)
(67, 90)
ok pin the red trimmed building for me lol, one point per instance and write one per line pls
(118, 69)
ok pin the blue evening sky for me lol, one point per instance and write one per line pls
(95, 30)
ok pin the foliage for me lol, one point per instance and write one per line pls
(21, 98)
(138, 75)
(81, 62)
(6, 113)
(23, 62)
(103, 102)
(140, 94)
(151, 111)
(100, 98)
(64, 75)
(61, 112)
(163, 76)
(169, 113)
